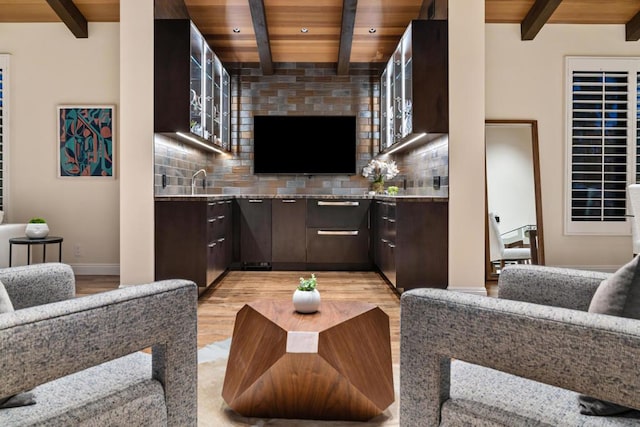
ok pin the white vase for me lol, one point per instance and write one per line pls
(306, 301)
(36, 230)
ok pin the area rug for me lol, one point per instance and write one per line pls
(214, 412)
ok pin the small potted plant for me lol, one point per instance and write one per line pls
(37, 228)
(306, 298)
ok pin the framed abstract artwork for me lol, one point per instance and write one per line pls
(86, 141)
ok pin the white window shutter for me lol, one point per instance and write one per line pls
(601, 143)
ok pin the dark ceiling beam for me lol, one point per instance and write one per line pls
(259, 19)
(539, 14)
(346, 35)
(170, 9)
(71, 16)
(632, 28)
(434, 9)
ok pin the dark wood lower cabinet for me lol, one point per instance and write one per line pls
(288, 233)
(338, 234)
(220, 241)
(192, 240)
(254, 219)
(406, 240)
(410, 243)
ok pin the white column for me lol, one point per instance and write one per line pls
(466, 146)
(135, 155)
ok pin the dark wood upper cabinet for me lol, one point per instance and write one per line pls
(414, 86)
(191, 87)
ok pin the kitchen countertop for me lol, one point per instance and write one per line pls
(213, 197)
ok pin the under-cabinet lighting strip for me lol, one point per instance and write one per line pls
(415, 138)
(208, 147)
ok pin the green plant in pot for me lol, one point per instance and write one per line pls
(37, 228)
(306, 298)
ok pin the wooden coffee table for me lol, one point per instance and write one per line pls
(333, 365)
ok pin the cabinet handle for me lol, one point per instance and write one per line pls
(385, 218)
(222, 203)
(211, 245)
(392, 246)
(391, 220)
(220, 240)
(288, 200)
(337, 233)
(255, 200)
(320, 203)
(220, 216)
(384, 240)
(212, 220)
(211, 204)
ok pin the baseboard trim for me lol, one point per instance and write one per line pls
(96, 269)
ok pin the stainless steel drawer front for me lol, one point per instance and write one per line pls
(325, 203)
(337, 232)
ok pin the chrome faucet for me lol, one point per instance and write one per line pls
(193, 180)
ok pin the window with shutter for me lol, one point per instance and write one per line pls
(602, 105)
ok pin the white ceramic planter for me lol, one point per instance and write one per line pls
(306, 301)
(36, 231)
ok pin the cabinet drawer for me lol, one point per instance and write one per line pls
(340, 214)
(337, 246)
(218, 219)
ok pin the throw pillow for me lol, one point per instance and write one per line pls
(20, 399)
(618, 295)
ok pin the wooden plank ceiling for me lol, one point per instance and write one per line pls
(270, 31)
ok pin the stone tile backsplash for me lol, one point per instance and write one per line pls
(297, 89)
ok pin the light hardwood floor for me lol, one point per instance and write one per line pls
(217, 307)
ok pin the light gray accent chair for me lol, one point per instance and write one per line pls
(518, 360)
(84, 358)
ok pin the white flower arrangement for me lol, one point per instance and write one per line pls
(380, 170)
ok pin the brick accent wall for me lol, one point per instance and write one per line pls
(296, 89)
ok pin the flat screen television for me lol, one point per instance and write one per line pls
(304, 145)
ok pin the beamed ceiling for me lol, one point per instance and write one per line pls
(329, 31)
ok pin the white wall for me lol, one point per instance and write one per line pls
(525, 80)
(50, 67)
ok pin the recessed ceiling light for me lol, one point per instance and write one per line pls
(372, 30)
(236, 30)
(304, 30)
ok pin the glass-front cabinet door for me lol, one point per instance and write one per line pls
(407, 81)
(217, 99)
(208, 106)
(195, 87)
(384, 119)
(224, 113)
(398, 92)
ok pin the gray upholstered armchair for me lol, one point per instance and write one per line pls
(520, 359)
(82, 358)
